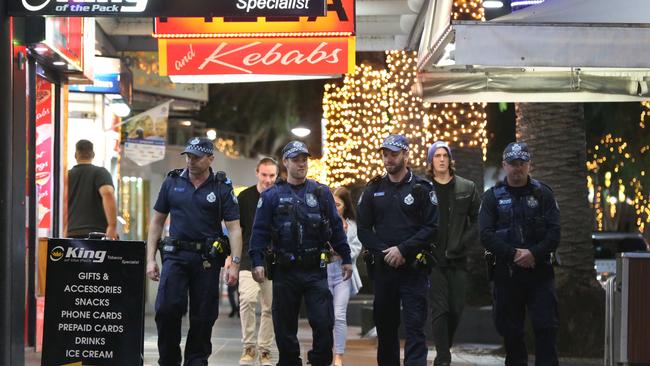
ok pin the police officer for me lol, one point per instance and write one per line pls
(520, 224)
(297, 218)
(397, 221)
(198, 200)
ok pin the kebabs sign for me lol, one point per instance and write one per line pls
(267, 46)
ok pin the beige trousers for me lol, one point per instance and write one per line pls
(249, 293)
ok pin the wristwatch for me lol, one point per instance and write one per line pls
(236, 259)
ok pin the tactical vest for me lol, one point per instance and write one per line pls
(520, 220)
(298, 221)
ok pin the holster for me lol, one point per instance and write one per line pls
(369, 259)
(490, 264)
(424, 261)
(269, 263)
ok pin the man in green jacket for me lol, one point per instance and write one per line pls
(458, 203)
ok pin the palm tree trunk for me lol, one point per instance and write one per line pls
(555, 133)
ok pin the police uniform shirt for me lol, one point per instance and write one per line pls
(398, 214)
(196, 213)
(266, 206)
(520, 198)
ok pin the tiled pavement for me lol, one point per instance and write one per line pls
(226, 346)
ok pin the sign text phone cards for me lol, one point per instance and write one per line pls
(94, 302)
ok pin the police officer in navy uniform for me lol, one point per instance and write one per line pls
(298, 221)
(397, 222)
(198, 200)
(520, 225)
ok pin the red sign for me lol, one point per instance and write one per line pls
(65, 36)
(294, 56)
(43, 165)
(339, 21)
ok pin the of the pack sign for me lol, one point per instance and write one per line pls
(94, 303)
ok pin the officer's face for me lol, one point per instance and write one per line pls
(198, 165)
(394, 161)
(297, 166)
(440, 161)
(266, 175)
(517, 172)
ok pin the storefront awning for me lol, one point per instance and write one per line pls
(584, 50)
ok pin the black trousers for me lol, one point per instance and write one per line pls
(515, 291)
(183, 273)
(290, 285)
(408, 288)
(447, 300)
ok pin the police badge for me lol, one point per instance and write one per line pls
(433, 197)
(310, 199)
(211, 197)
(195, 141)
(532, 202)
(409, 199)
(260, 202)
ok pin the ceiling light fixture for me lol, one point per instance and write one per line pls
(492, 4)
(301, 131)
(58, 63)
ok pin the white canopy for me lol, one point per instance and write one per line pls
(560, 50)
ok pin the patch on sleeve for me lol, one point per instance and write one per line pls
(234, 198)
(433, 198)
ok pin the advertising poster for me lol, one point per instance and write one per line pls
(43, 164)
(94, 303)
(145, 135)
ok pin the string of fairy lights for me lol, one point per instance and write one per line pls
(371, 103)
(609, 188)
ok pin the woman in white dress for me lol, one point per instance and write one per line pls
(342, 290)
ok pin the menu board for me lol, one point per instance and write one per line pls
(94, 303)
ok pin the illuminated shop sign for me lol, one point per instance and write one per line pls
(167, 8)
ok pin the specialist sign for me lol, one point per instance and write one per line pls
(166, 8)
(339, 21)
(94, 303)
(293, 56)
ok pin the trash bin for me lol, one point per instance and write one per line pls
(627, 327)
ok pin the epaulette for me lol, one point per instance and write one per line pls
(375, 180)
(220, 176)
(175, 173)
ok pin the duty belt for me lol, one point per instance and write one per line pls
(193, 246)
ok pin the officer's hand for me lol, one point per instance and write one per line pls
(152, 270)
(393, 257)
(524, 258)
(232, 274)
(258, 274)
(111, 233)
(347, 271)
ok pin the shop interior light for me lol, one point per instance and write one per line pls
(211, 134)
(41, 49)
(186, 123)
(58, 63)
(301, 131)
(492, 4)
(120, 108)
